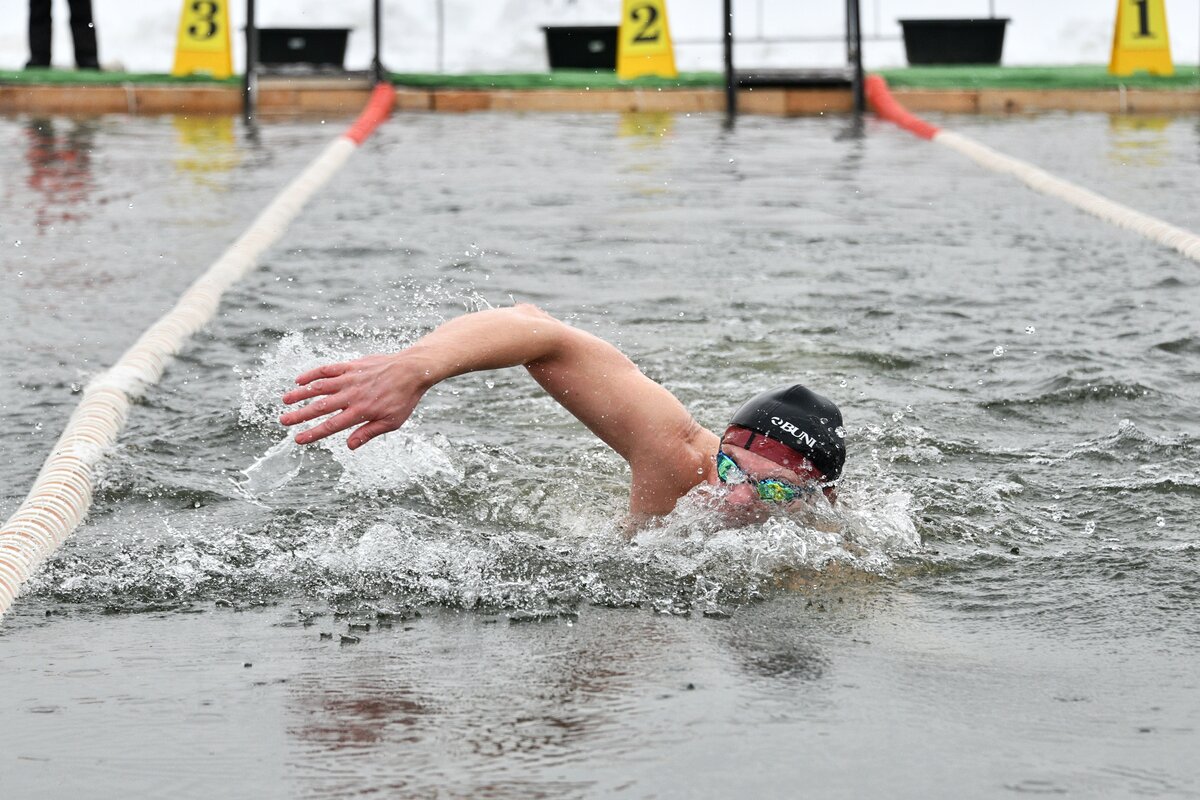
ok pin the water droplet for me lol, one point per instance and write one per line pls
(840, 431)
(999, 351)
(17, 243)
(1160, 522)
(490, 384)
(1030, 329)
(1089, 529)
(20, 274)
(843, 384)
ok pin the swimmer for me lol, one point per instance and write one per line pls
(781, 447)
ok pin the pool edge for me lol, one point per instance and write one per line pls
(296, 98)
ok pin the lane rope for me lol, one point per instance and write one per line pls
(62, 492)
(887, 107)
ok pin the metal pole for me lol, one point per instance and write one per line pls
(849, 38)
(250, 79)
(854, 45)
(730, 80)
(441, 25)
(377, 62)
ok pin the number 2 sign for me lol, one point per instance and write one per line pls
(644, 40)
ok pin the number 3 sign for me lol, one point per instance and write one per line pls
(644, 41)
(203, 44)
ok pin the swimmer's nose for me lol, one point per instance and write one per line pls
(742, 506)
(742, 494)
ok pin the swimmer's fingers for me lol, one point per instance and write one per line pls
(369, 431)
(317, 408)
(324, 371)
(336, 423)
(314, 389)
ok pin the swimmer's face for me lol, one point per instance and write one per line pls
(743, 502)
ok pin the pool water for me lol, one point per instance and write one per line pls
(1005, 601)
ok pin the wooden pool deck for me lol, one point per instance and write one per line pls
(997, 90)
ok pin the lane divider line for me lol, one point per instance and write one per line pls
(62, 492)
(1164, 233)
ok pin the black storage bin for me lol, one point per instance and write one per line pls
(582, 46)
(954, 41)
(323, 47)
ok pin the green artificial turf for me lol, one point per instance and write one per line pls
(559, 79)
(70, 77)
(1084, 76)
(947, 77)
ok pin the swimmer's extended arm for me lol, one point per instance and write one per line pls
(593, 380)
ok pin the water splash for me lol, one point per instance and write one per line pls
(421, 517)
(273, 470)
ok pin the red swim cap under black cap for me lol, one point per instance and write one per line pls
(801, 419)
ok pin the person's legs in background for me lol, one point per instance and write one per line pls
(83, 31)
(39, 34)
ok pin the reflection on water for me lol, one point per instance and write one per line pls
(455, 700)
(477, 706)
(58, 154)
(646, 126)
(1139, 140)
(207, 148)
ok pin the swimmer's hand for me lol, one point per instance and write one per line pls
(378, 393)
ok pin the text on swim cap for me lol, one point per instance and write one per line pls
(800, 435)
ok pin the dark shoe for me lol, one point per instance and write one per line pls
(37, 65)
(91, 66)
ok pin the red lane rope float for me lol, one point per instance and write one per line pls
(62, 491)
(887, 107)
(379, 106)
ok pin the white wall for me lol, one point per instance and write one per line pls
(504, 35)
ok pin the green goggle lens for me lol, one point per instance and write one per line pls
(772, 490)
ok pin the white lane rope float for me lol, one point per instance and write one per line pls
(886, 106)
(62, 492)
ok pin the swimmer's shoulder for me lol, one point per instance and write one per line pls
(681, 463)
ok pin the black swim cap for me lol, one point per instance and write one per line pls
(801, 419)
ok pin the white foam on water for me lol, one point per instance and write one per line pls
(394, 461)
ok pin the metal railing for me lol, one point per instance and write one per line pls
(250, 79)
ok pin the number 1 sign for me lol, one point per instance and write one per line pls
(1140, 39)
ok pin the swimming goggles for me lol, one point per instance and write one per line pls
(773, 490)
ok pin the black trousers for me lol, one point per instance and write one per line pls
(82, 31)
